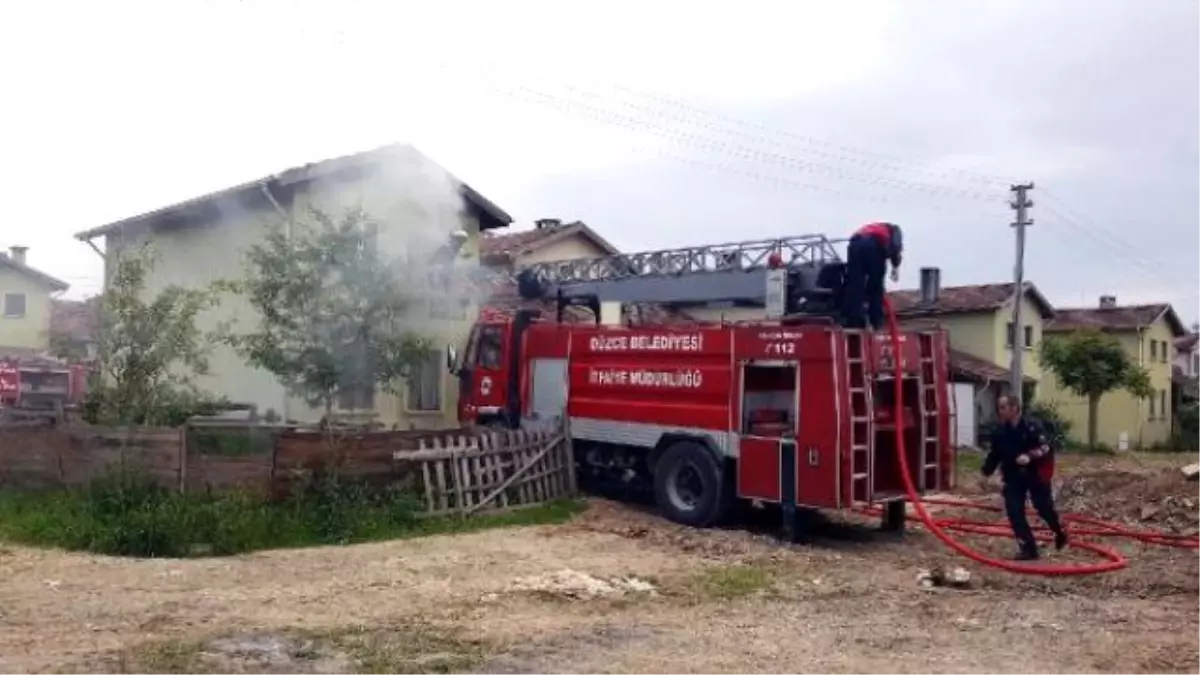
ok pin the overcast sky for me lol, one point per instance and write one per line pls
(659, 125)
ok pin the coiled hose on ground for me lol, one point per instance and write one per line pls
(1079, 526)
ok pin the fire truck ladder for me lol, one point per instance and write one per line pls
(862, 437)
(930, 410)
(692, 275)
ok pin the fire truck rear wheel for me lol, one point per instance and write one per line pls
(689, 485)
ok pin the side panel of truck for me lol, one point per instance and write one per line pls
(633, 386)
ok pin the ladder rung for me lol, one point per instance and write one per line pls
(932, 465)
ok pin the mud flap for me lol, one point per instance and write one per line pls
(793, 520)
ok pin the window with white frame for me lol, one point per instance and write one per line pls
(14, 305)
(1026, 337)
(423, 388)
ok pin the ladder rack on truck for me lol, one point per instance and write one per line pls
(787, 411)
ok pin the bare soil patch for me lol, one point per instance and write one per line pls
(616, 590)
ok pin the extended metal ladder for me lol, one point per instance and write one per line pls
(862, 421)
(929, 477)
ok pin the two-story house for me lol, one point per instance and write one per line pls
(979, 321)
(414, 204)
(25, 300)
(1148, 334)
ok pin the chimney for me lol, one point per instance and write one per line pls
(17, 253)
(931, 284)
(546, 223)
(1108, 302)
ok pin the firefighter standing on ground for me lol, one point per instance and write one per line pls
(867, 256)
(1022, 452)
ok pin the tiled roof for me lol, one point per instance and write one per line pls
(504, 248)
(26, 357)
(964, 300)
(1125, 317)
(79, 319)
(1187, 342)
(979, 370)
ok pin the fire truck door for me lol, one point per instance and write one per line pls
(768, 417)
(489, 380)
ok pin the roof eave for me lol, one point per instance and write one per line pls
(495, 217)
(53, 283)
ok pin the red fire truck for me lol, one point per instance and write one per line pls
(795, 410)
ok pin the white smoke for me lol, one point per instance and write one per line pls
(416, 206)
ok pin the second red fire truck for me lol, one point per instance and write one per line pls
(793, 410)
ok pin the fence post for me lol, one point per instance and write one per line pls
(183, 457)
(569, 453)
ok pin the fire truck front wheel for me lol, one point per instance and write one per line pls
(689, 485)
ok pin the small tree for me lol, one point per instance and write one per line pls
(148, 350)
(1091, 364)
(335, 315)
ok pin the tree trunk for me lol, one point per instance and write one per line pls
(1093, 414)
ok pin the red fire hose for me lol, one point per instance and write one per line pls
(939, 527)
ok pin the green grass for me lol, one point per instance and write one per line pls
(126, 515)
(728, 582)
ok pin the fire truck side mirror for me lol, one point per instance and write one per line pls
(451, 359)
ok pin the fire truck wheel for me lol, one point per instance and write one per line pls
(688, 485)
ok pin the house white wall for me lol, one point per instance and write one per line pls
(416, 208)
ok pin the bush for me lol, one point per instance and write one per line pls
(1048, 414)
(129, 515)
(1186, 437)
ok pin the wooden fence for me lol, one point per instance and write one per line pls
(504, 470)
(457, 471)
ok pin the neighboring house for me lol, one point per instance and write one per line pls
(25, 297)
(415, 203)
(1148, 334)
(75, 328)
(978, 319)
(1187, 357)
(552, 240)
(548, 241)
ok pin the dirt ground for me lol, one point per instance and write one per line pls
(619, 590)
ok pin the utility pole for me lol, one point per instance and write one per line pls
(1021, 204)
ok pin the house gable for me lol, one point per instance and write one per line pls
(278, 189)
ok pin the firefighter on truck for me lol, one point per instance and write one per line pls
(870, 249)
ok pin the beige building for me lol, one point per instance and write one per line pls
(416, 205)
(26, 295)
(978, 319)
(1148, 334)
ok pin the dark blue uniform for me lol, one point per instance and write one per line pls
(867, 255)
(1009, 441)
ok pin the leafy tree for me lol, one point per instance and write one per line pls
(1091, 364)
(148, 350)
(335, 315)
